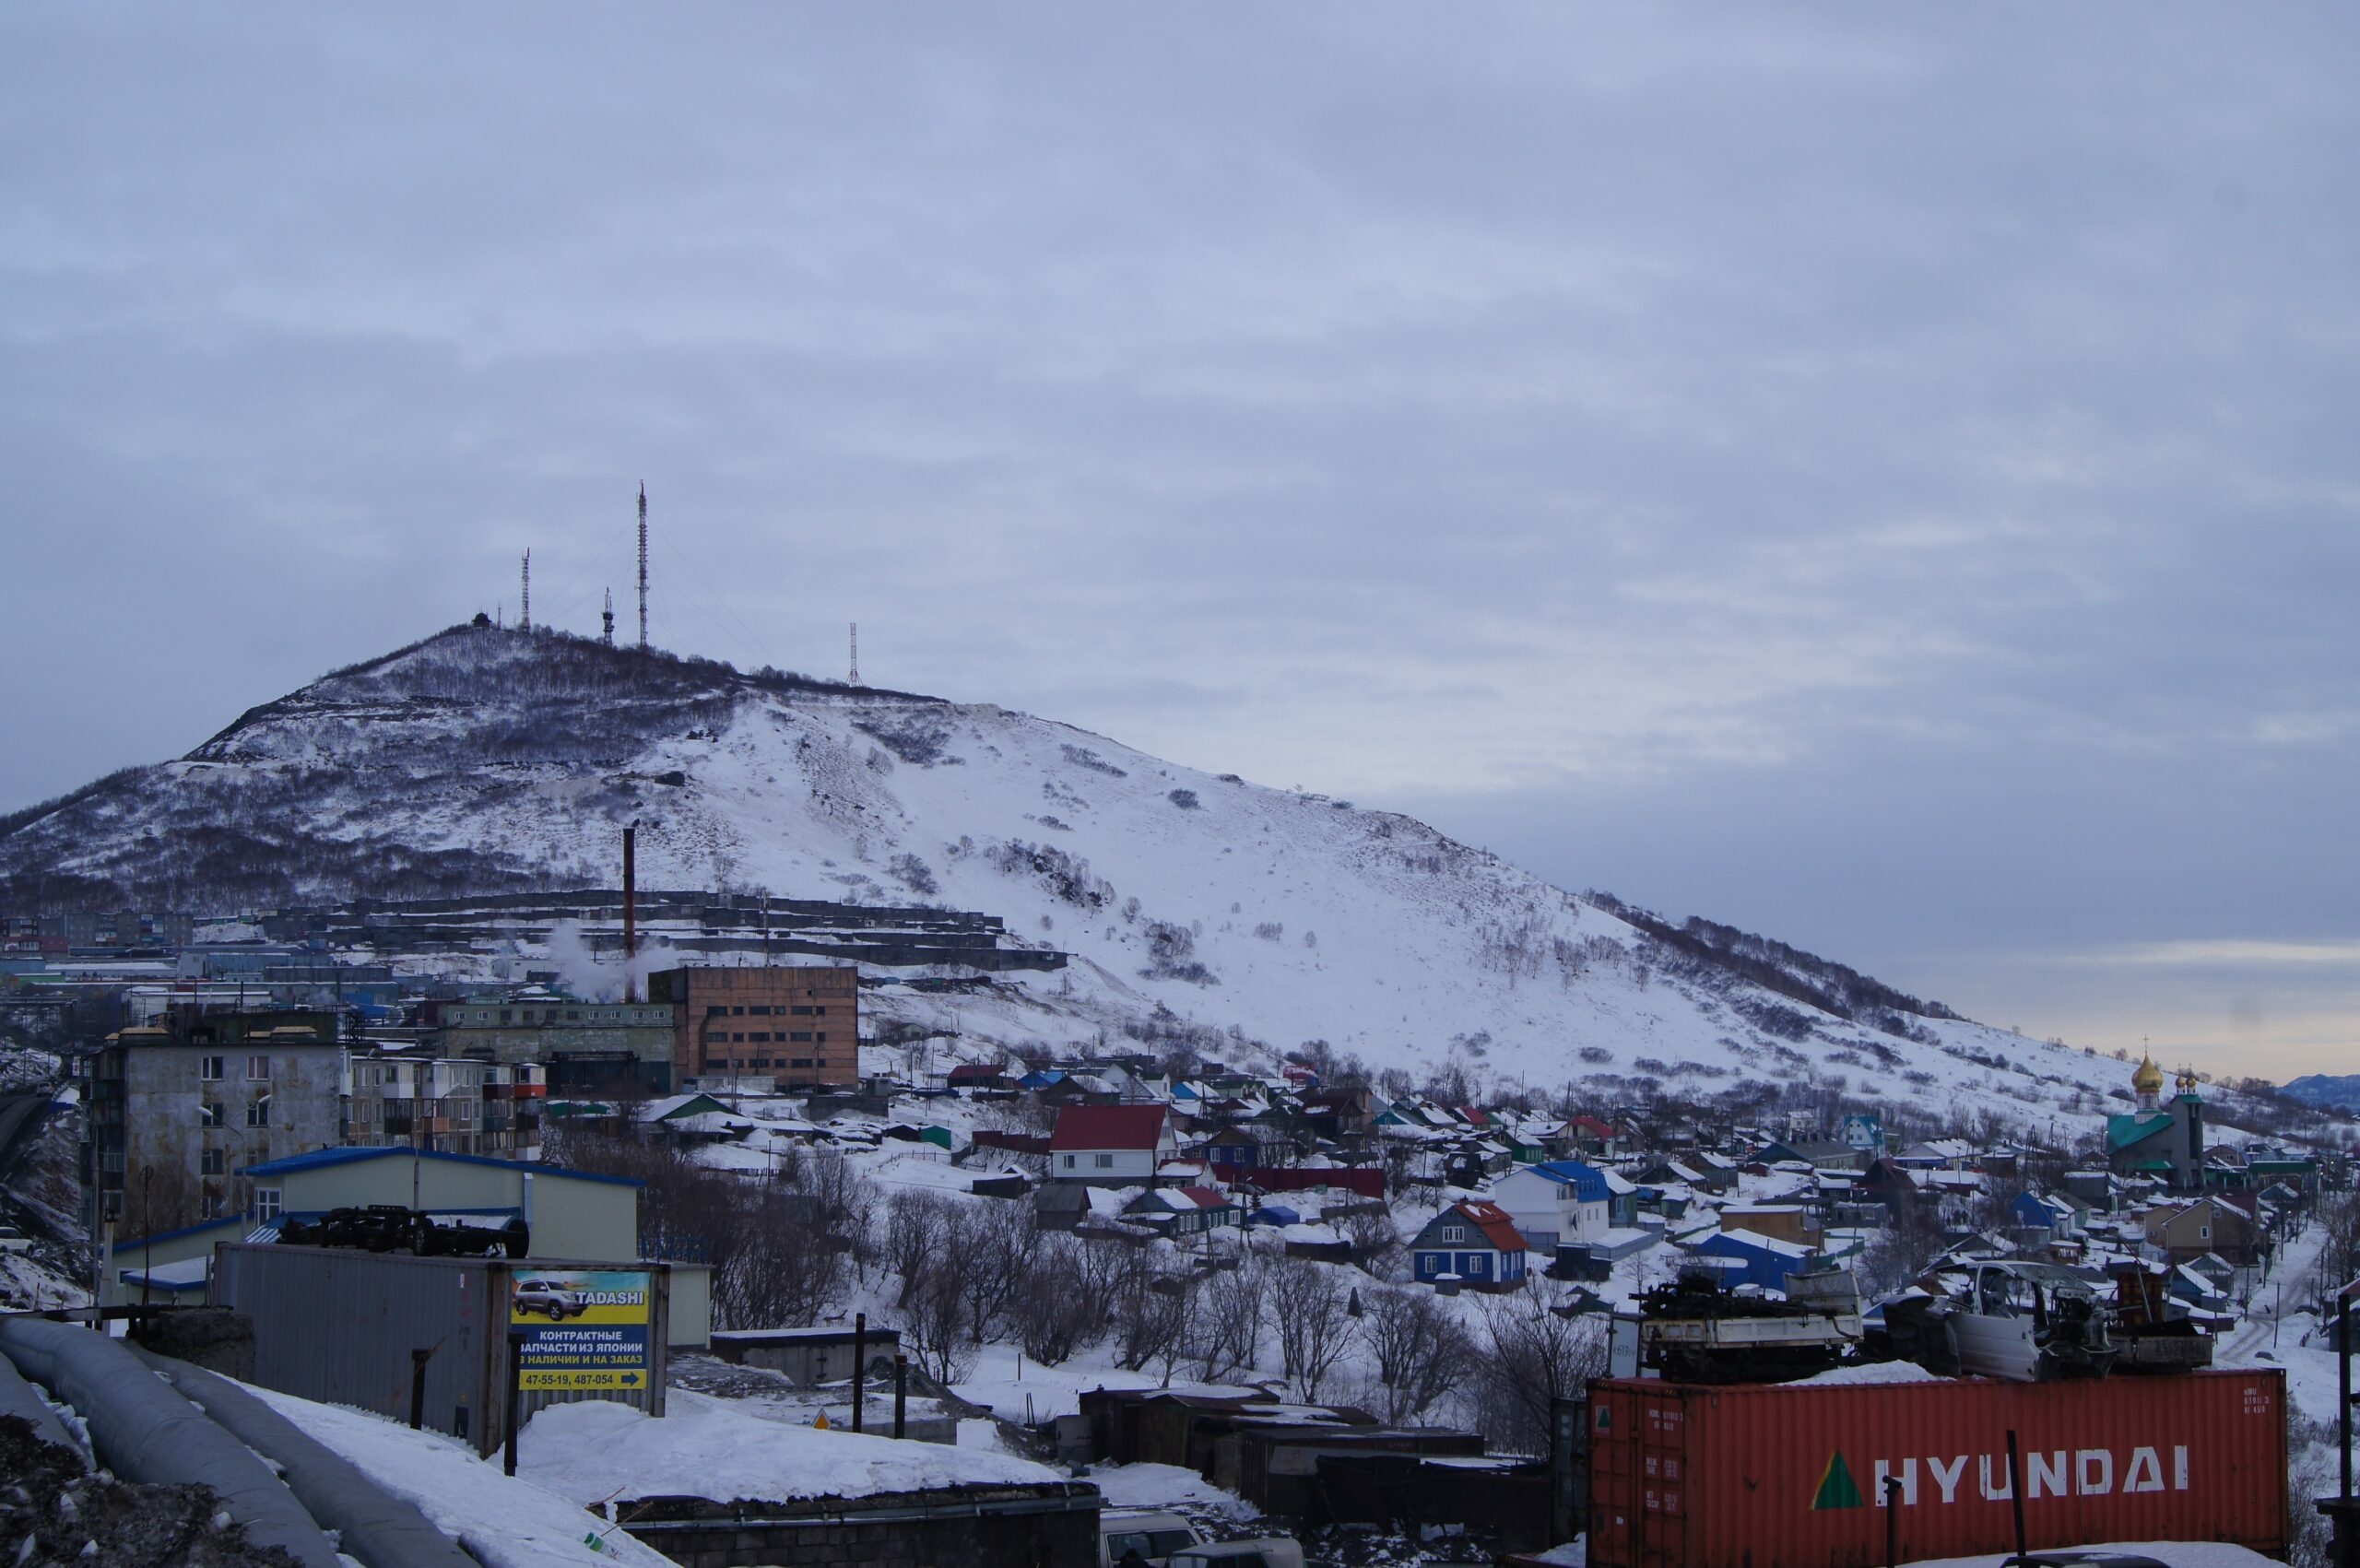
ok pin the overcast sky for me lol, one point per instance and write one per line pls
(1882, 476)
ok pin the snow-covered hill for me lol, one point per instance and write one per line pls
(482, 759)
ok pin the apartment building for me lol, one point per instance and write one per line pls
(796, 1024)
(588, 1047)
(391, 1099)
(176, 1108)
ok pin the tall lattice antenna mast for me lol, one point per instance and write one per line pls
(855, 680)
(643, 564)
(524, 599)
(607, 619)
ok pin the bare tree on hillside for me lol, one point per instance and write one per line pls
(935, 1322)
(916, 1232)
(1063, 1302)
(1153, 1311)
(994, 1242)
(1528, 1356)
(1421, 1352)
(1228, 1321)
(1306, 1314)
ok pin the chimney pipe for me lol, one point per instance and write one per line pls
(631, 911)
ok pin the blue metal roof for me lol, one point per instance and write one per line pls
(136, 1241)
(319, 1159)
(1588, 1183)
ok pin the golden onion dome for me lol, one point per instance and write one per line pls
(2149, 1078)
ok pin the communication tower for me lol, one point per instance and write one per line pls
(607, 618)
(855, 678)
(643, 564)
(524, 599)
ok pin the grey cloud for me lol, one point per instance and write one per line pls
(1923, 431)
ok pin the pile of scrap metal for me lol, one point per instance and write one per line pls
(1699, 1330)
(389, 1227)
(2023, 1322)
(2154, 1332)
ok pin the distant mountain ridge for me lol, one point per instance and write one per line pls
(2328, 1090)
(1198, 907)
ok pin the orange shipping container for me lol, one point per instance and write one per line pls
(1787, 1476)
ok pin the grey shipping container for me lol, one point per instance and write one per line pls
(338, 1324)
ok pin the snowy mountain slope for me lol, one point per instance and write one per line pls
(482, 759)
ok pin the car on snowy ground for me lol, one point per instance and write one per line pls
(1142, 1537)
(1263, 1552)
(14, 1239)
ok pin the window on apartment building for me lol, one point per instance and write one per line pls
(760, 1010)
(716, 1010)
(738, 1039)
(507, 1015)
(258, 1113)
(257, 1069)
(736, 1012)
(210, 1068)
(800, 1012)
(759, 1037)
(800, 1062)
(210, 1115)
(213, 1162)
(803, 1034)
(1105, 1161)
(266, 1203)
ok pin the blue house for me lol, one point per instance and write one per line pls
(1767, 1260)
(1473, 1242)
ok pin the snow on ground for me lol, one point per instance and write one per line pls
(1004, 1378)
(1165, 1486)
(595, 1450)
(2178, 1554)
(507, 1522)
(1870, 1371)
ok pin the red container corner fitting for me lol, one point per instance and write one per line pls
(1793, 1476)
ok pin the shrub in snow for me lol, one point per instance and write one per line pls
(1184, 798)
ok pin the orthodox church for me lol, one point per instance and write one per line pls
(2161, 1139)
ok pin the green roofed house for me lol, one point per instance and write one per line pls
(2159, 1139)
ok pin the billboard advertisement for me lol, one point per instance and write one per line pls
(583, 1329)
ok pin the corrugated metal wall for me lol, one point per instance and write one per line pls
(1793, 1477)
(336, 1325)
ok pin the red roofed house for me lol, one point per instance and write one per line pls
(1474, 1243)
(1110, 1145)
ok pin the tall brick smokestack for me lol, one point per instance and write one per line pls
(631, 911)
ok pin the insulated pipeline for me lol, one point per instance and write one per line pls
(381, 1530)
(17, 1398)
(144, 1431)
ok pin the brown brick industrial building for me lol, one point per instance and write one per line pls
(797, 1024)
